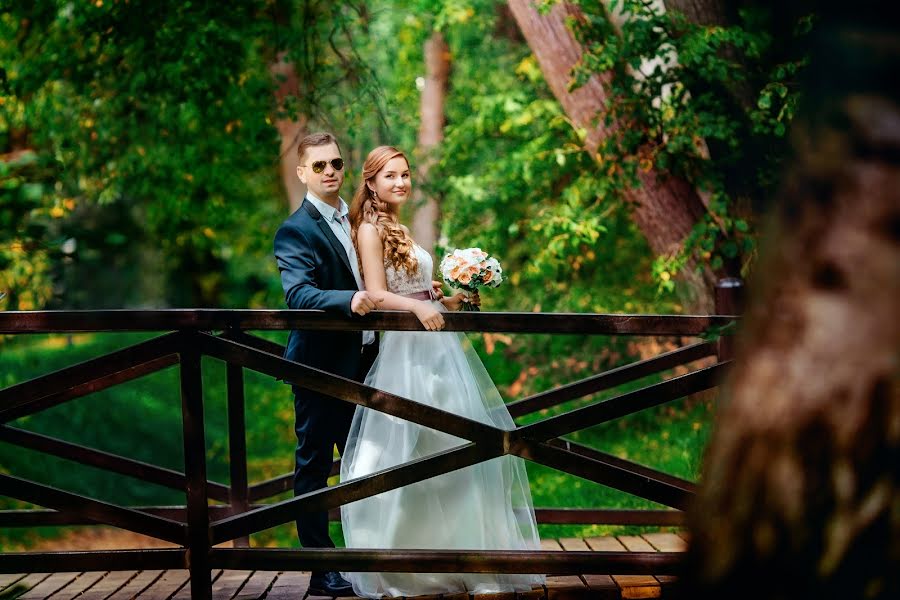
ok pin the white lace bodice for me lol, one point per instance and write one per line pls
(401, 282)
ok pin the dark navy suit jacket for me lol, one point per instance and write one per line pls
(316, 274)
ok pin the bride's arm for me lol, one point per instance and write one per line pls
(371, 255)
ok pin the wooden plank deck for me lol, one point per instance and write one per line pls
(272, 585)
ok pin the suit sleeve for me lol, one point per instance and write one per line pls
(296, 262)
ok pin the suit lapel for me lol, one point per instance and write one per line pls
(329, 234)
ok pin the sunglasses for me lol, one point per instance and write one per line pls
(319, 165)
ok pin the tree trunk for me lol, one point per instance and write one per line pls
(802, 480)
(505, 25)
(665, 208)
(716, 13)
(290, 131)
(705, 12)
(431, 133)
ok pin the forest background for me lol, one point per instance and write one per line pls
(616, 156)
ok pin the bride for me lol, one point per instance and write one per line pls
(486, 506)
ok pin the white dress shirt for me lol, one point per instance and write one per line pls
(339, 223)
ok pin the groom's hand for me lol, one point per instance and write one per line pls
(363, 303)
(438, 289)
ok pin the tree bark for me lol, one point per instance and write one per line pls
(702, 12)
(665, 208)
(716, 13)
(290, 130)
(802, 480)
(431, 133)
(505, 25)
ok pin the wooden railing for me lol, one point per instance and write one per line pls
(223, 334)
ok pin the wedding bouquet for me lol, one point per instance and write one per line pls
(469, 269)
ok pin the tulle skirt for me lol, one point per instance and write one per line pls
(486, 506)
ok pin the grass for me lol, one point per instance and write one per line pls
(142, 420)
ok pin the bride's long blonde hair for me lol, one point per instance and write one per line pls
(367, 208)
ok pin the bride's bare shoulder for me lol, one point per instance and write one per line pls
(368, 241)
(367, 231)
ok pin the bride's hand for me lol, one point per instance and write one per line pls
(431, 318)
(455, 301)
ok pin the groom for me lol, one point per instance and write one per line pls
(319, 270)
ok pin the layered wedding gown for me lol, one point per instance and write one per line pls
(486, 506)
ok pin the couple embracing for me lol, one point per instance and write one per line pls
(352, 260)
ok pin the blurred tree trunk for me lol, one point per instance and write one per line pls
(664, 208)
(431, 133)
(801, 489)
(291, 131)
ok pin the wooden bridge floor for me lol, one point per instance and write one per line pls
(273, 585)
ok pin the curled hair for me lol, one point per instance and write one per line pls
(366, 208)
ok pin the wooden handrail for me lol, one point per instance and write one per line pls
(199, 525)
(105, 460)
(434, 561)
(350, 491)
(611, 378)
(212, 319)
(449, 561)
(556, 516)
(102, 512)
(626, 404)
(90, 375)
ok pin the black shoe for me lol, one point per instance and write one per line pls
(329, 583)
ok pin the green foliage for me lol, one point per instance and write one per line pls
(157, 112)
(162, 117)
(154, 151)
(512, 179)
(710, 104)
(25, 222)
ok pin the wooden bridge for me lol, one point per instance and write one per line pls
(197, 564)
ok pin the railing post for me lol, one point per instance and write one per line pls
(238, 494)
(198, 545)
(729, 301)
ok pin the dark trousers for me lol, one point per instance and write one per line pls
(321, 422)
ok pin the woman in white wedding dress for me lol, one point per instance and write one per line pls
(486, 506)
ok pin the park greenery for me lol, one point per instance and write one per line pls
(139, 159)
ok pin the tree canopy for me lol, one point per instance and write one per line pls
(139, 146)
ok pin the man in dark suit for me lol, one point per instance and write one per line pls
(319, 270)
